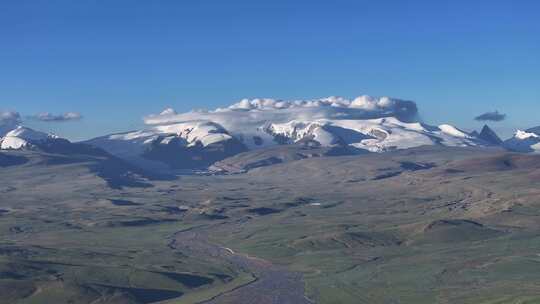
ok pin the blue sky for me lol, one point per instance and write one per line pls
(116, 61)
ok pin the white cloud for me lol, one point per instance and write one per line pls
(259, 111)
(49, 117)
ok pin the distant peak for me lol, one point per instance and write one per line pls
(525, 135)
(168, 111)
(488, 135)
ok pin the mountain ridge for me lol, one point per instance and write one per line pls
(197, 140)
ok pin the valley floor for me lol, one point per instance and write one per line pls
(414, 226)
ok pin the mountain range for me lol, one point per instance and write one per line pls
(199, 139)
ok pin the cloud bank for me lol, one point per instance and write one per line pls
(363, 105)
(257, 112)
(49, 117)
(491, 116)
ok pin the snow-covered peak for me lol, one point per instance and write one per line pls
(525, 135)
(133, 145)
(376, 135)
(29, 134)
(453, 131)
(183, 145)
(192, 133)
(294, 130)
(524, 141)
(206, 133)
(22, 137)
(168, 111)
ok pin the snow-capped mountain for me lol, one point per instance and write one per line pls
(22, 137)
(197, 139)
(375, 135)
(527, 141)
(186, 145)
